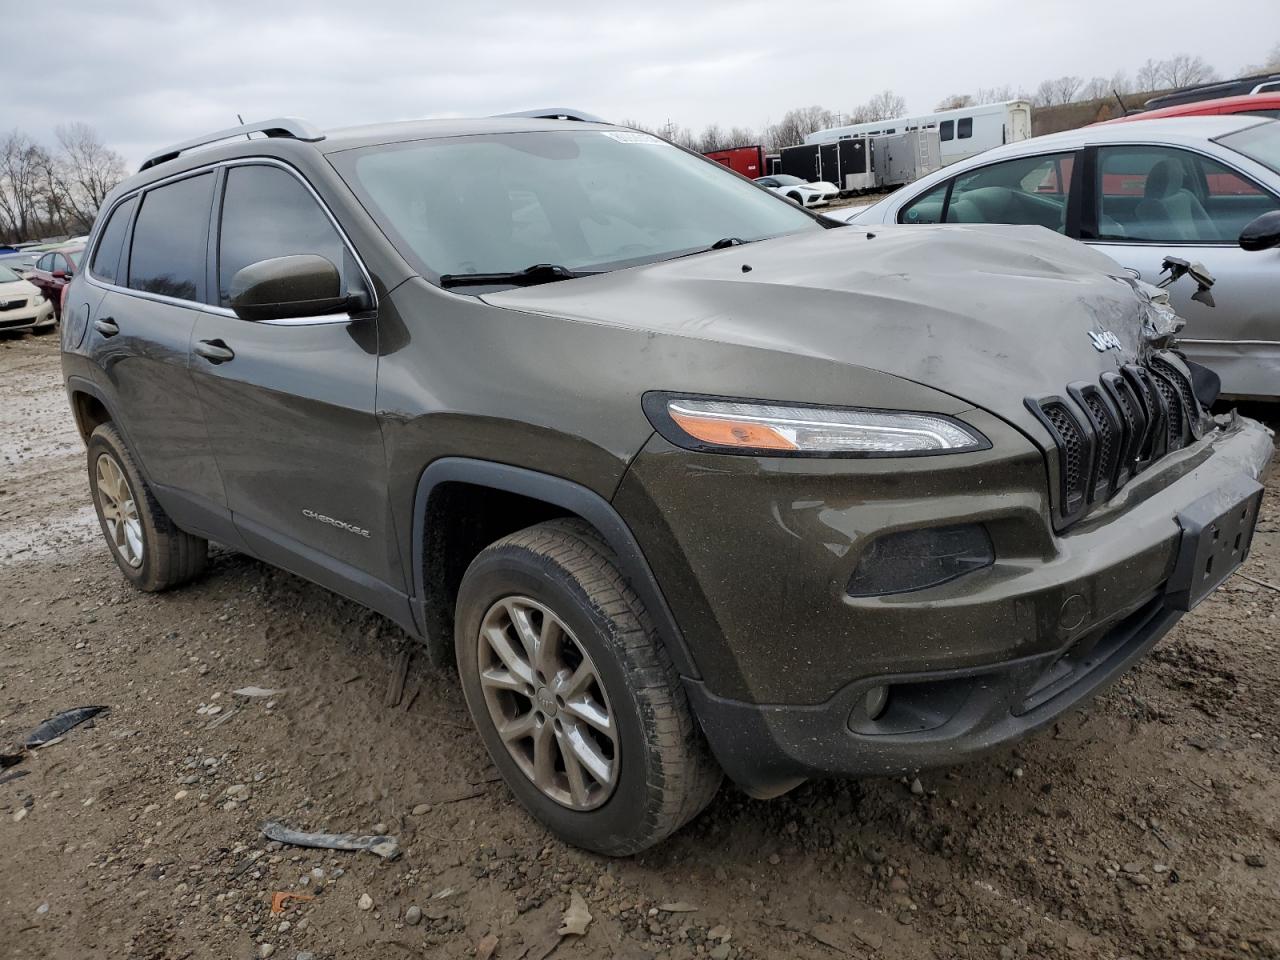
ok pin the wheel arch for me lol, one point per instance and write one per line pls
(538, 496)
(90, 408)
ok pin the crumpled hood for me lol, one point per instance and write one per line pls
(989, 314)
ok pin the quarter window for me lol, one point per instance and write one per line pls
(267, 213)
(926, 208)
(106, 257)
(1168, 195)
(170, 237)
(964, 128)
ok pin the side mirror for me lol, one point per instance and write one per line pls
(304, 285)
(59, 274)
(1262, 233)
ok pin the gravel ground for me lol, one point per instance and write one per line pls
(1143, 826)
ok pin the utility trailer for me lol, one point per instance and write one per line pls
(901, 158)
(846, 163)
(748, 161)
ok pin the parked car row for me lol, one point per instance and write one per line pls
(33, 284)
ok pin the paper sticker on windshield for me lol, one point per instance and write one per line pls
(631, 136)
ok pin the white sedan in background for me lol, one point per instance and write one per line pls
(799, 191)
(1185, 187)
(22, 305)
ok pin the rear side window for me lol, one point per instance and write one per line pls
(266, 213)
(106, 257)
(964, 128)
(947, 130)
(170, 239)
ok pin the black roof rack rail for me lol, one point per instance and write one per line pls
(555, 113)
(291, 127)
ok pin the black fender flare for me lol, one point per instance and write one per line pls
(567, 495)
(78, 384)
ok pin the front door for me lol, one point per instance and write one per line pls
(290, 404)
(1156, 201)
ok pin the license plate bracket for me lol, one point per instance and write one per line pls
(1217, 532)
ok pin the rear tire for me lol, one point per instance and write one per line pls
(146, 545)
(559, 580)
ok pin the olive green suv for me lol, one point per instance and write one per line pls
(684, 478)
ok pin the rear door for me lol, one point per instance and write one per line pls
(290, 404)
(1148, 202)
(139, 336)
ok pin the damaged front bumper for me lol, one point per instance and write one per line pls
(973, 664)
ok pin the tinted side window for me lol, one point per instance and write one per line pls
(170, 237)
(964, 128)
(267, 212)
(1028, 190)
(1167, 195)
(45, 263)
(106, 258)
(947, 130)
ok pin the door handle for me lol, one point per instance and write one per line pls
(106, 326)
(215, 351)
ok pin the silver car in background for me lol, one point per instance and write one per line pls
(1185, 187)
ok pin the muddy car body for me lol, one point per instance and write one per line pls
(750, 492)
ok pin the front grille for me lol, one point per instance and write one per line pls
(1109, 432)
(13, 304)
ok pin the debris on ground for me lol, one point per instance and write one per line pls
(388, 848)
(281, 899)
(61, 723)
(576, 917)
(256, 692)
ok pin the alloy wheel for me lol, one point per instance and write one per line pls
(548, 703)
(119, 510)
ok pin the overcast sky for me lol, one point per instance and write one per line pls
(146, 74)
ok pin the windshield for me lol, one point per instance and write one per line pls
(584, 200)
(786, 180)
(7, 275)
(1261, 143)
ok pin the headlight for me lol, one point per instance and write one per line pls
(734, 426)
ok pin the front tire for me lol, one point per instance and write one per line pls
(574, 694)
(146, 545)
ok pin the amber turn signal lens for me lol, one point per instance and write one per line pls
(731, 433)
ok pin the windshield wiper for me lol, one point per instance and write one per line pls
(528, 277)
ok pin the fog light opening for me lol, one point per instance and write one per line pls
(875, 701)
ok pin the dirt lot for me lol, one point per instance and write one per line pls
(1145, 826)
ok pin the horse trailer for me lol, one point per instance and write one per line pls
(961, 133)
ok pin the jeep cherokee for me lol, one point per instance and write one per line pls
(690, 480)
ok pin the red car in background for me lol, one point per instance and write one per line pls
(53, 271)
(1261, 104)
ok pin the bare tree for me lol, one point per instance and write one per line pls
(955, 102)
(798, 123)
(741, 137)
(85, 171)
(1120, 83)
(1149, 76)
(1097, 88)
(1184, 70)
(1002, 94)
(1054, 92)
(21, 163)
(1269, 64)
(885, 105)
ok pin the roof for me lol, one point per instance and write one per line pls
(1186, 131)
(1223, 105)
(349, 138)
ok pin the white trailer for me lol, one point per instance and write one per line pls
(961, 133)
